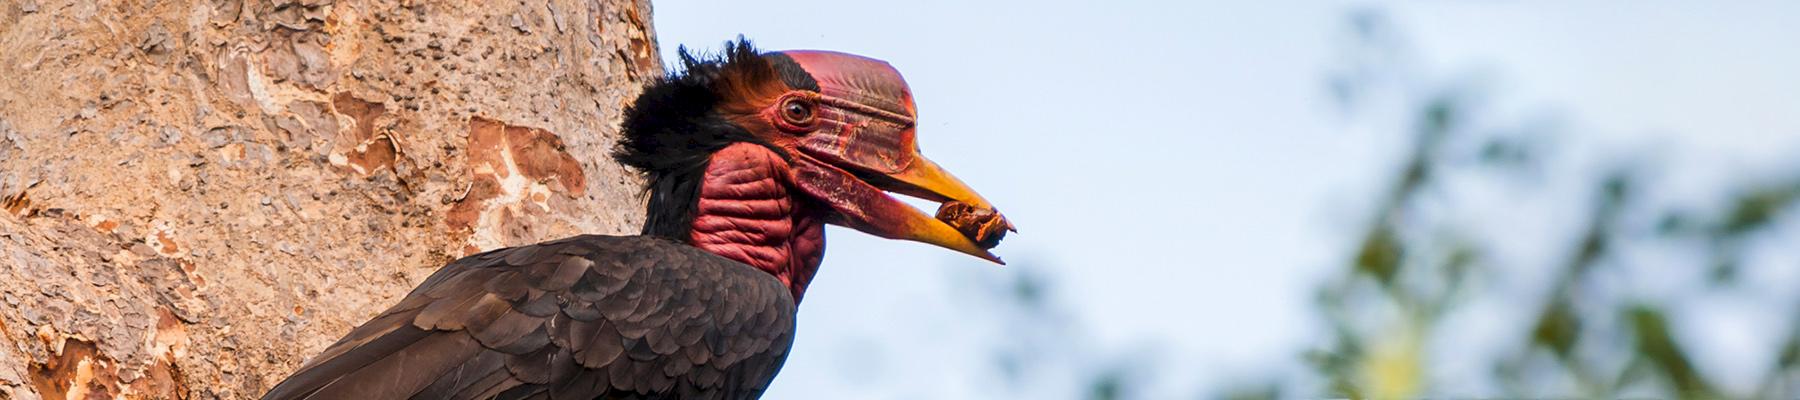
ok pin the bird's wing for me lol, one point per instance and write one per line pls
(576, 318)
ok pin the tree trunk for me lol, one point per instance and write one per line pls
(196, 195)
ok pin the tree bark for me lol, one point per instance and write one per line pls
(197, 195)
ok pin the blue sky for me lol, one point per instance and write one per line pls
(1182, 171)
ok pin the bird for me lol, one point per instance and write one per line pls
(746, 156)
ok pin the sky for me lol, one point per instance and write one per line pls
(1182, 172)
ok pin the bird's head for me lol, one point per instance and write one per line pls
(843, 125)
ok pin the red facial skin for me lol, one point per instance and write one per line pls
(854, 140)
(747, 213)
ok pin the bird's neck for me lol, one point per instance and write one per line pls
(744, 211)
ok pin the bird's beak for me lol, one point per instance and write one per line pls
(865, 145)
(860, 203)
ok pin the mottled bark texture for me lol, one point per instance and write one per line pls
(197, 195)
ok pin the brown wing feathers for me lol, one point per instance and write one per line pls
(578, 318)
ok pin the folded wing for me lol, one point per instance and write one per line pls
(579, 318)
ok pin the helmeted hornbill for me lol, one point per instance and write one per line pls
(746, 156)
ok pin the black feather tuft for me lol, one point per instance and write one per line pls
(674, 126)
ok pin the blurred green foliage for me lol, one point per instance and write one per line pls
(1417, 263)
(1390, 310)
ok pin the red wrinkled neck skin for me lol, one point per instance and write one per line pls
(746, 213)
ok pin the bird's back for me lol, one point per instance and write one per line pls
(579, 318)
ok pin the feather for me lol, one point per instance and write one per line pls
(405, 371)
(493, 330)
(477, 375)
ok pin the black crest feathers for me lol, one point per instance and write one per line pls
(674, 126)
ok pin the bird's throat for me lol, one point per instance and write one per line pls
(746, 213)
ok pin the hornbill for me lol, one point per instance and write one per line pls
(746, 156)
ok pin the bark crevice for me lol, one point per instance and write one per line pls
(197, 195)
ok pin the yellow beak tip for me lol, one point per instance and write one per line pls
(991, 258)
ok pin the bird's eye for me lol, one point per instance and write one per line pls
(797, 112)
